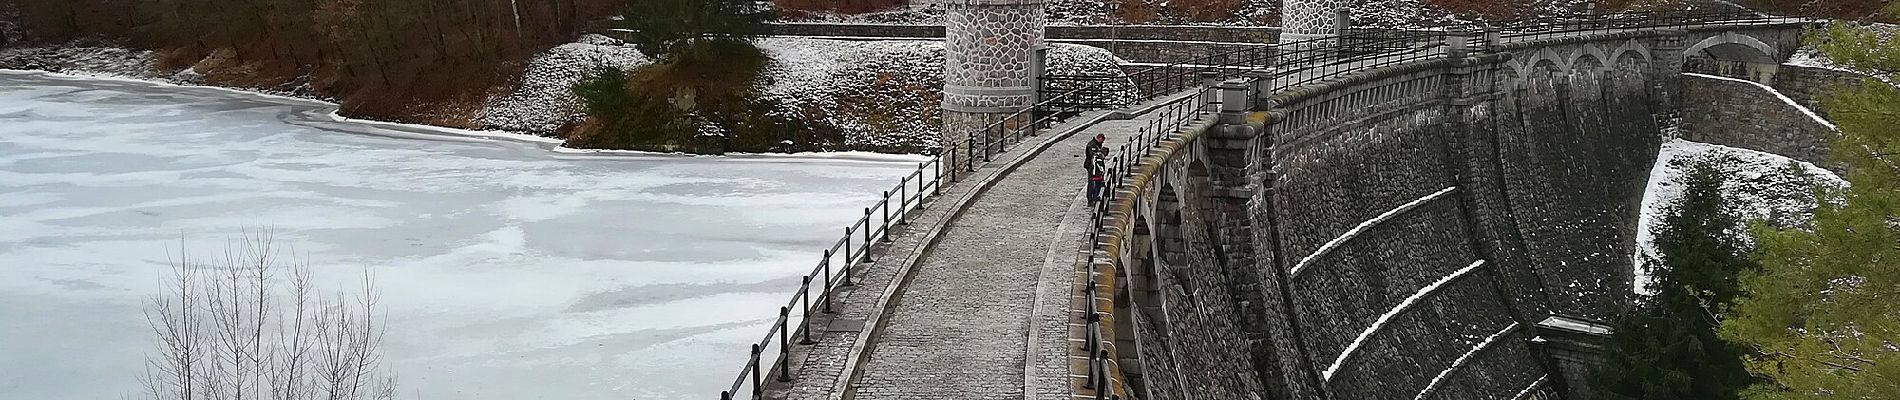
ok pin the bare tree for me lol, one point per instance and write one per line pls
(250, 325)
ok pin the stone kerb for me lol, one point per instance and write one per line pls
(1747, 115)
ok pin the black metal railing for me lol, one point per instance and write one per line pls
(770, 357)
(834, 270)
(1306, 62)
(1531, 29)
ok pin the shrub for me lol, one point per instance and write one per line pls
(707, 89)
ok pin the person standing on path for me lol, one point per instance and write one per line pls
(1097, 149)
(1092, 160)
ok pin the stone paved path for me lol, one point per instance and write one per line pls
(960, 327)
(965, 331)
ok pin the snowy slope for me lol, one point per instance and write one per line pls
(853, 85)
(1808, 56)
(1759, 186)
(542, 103)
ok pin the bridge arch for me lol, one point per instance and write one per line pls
(1543, 59)
(1588, 56)
(1632, 50)
(1733, 55)
(1734, 47)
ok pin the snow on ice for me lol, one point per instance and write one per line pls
(508, 271)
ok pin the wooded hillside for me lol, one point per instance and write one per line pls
(406, 60)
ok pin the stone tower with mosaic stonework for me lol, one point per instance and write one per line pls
(1309, 19)
(990, 51)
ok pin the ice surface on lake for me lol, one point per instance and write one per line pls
(508, 271)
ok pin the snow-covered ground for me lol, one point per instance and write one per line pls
(884, 93)
(543, 101)
(1757, 185)
(509, 271)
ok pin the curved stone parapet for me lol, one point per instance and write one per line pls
(1405, 230)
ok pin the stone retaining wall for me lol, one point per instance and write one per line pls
(1807, 85)
(1741, 114)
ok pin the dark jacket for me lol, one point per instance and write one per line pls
(1095, 152)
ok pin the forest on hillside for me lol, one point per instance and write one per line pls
(1267, 12)
(393, 59)
(439, 61)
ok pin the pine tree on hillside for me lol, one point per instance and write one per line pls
(1823, 313)
(1668, 348)
(663, 28)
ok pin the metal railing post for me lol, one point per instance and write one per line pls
(971, 163)
(866, 251)
(939, 167)
(903, 196)
(784, 345)
(847, 275)
(805, 326)
(848, 259)
(886, 205)
(756, 388)
(826, 265)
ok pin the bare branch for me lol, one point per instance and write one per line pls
(230, 331)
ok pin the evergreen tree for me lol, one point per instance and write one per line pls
(1667, 348)
(666, 28)
(1823, 313)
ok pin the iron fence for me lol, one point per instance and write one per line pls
(770, 357)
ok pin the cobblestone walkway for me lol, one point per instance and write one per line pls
(960, 328)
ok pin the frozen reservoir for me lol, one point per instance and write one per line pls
(507, 270)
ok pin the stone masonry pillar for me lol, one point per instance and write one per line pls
(1667, 56)
(989, 52)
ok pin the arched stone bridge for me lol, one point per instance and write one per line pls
(1451, 220)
